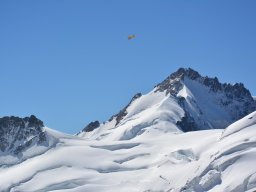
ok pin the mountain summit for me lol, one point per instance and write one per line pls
(17, 134)
(184, 101)
(173, 82)
(21, 138)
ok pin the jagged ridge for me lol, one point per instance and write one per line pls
(173, 83)
(234, 99)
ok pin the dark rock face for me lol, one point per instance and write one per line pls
(17, 134)
(91, 126)
(237, 90)
(187, 123)
(123, 112)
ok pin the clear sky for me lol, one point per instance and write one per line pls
(69, 61)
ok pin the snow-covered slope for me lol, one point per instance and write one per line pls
(209, 160)
(184, 101)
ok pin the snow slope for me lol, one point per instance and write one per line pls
(209, 160)
(147, 115)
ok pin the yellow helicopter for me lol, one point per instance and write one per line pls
(131, 37)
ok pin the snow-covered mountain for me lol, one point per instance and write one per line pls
(184, 101)
(21, 138)
(149, 146)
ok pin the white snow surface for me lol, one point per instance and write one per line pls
(148, 115)
(209, 160)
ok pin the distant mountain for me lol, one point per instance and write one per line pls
(184, 101)
(19, 135)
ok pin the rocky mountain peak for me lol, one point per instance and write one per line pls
(12, 121)
(235, 98)
(91, 126)
(17, 134)
(9, 122)
(188, 72)
(173, 83)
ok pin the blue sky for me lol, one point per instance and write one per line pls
(69, 62)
